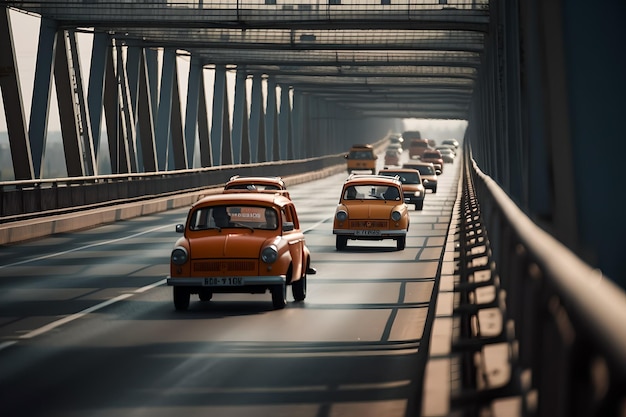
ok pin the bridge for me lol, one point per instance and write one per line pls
(536, 216)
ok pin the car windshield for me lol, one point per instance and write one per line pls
(371, 192)
(425, 170)
(405, 177)
(361, 155)
(243, 216)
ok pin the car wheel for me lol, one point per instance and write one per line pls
(342, 242)
(419, 206)
(401, 243)
(298, 289)
(279, 296)
(434, 190)
(181, 298)
(205, 295)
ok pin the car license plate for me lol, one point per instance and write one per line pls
(368, 233)
(223, 281)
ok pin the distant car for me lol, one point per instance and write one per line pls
(435, 158)
(452, 142)
(427, 172)
(417, 147)
(396, 139)
(361, 158)
(392, 157)
(371, 207)
(412, 186)
(409, 135)
(240, 243)
(447, 154)
(262, 184)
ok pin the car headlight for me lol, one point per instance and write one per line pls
(342, 215)
(269, 254)
(179, 255)
(396, 216)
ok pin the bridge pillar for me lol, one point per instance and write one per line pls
(13, 106)
(271, 125)
(285, 124)
(220, 128)
(257, 121)
(40, 104)
(241, 135)
(191, 108)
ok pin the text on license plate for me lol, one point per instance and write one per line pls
(368, 232)
(223, 281)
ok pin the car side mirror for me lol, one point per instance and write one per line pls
(288, 226)
(346, 156)
(180, 228)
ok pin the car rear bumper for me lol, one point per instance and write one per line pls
(359, 234)
(233, 281)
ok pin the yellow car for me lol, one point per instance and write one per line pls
(371, 207)
(361, 158)
(240, 243)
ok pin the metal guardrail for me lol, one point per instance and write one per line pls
(21, 200)
(564, 322)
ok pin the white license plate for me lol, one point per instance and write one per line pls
(368, 233)
(222, 281)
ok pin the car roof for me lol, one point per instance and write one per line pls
(245, 198)
(415, 164)
(398, 170)
(358, 146)
(369, 179)
(256, 180)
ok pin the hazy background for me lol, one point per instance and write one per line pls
(25, 29)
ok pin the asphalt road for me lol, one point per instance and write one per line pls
(88, 328)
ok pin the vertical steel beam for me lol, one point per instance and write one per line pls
(83, 121)
(240, 138)
(164, 118)
(118, 153)
(219, 108)
(299, 124)
(204, 138)
(40, 105)
(178, 158)
(191, 108)
(145, 118)
(271, 127)
(13, 105)
(65, 88)
(127, 114)
(284, 122)
(257, 125)
(227, 150)
(95, 92)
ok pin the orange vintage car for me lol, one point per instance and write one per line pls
(361, 158)
(240, 243)
(371, 207)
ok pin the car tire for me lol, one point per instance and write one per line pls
(279, 296)
(205, 295)
(419, 206)
(298, 289)
(401, 243)
(342, 242)
(181, 298)
(434, 190)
